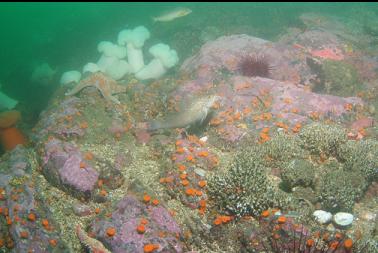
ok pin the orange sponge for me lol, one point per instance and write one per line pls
(9, 118)
(11, 137)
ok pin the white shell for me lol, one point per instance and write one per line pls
(343, 219)
(204, 139)
(200, 172)
(322, 217)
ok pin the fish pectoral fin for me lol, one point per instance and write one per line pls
(203, 118)
(205, 115)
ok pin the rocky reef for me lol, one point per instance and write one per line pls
(27, 222)
(138, 224)
(271, 150)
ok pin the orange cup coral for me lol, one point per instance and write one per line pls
(150, 248)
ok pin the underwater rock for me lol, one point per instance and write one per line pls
(64, 166)
(290, 235)
(232, 134)
(285, 94)
(60, 134)
(25, 212)
(110, 176)
(57, 120)
(142, 136)
(226, 53)
(127, 216)
(81, 209)
(340, 78)
(362, 123)
(287, 85)
(116, 127)
(278, 100)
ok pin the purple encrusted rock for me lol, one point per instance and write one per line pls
(49, 125)
(81, 178)
(29, 235)
(127, 216)
(290, 102)
(63, 165)
(163, 219)
(226, 52)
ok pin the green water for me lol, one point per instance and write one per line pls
(65, 35)
(324, 166)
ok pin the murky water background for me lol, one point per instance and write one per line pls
(65, 35)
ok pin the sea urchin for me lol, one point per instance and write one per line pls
(255, 65)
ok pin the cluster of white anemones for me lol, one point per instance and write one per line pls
(129, 44)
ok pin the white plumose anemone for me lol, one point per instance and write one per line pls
(113, 67)
(118, 69)
(68, 77)
(134, 41)
(91, 68)
(111, 62)
(165, 58)
(106, 61)
(109, 49)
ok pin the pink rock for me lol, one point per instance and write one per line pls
(142, 136)
(362, 123)
(63, 163)
(81, 179)
(328, 53)
(28, 201)
(232, 133)
(116, 127)
(239, 91)
(126, 216)
(227, 52)
(289, 99)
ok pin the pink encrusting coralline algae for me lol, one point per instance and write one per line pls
(328, 53)
(125, 218)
